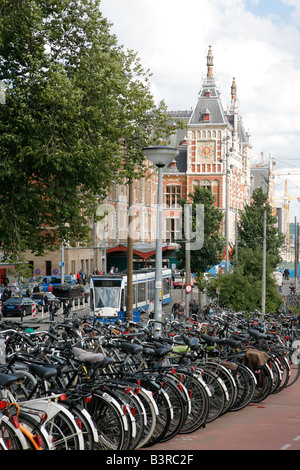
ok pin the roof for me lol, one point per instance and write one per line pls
(144, 250)
(211, 105)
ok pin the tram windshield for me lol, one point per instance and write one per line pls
(107, 294)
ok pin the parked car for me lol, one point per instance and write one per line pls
(45, 281)
(178, 280)
(13, 291)
(37, 297)
(72, 292)
(31, 286)
(17, 306)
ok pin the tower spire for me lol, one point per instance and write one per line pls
(210, 65)
(233, 89)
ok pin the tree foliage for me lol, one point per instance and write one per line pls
(75, 100)
(212, 250)
(241, 289)
(250, 227)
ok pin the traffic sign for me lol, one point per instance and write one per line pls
(188, 288)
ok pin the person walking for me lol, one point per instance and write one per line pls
(174, 310)
(66, 308)
(52, 310)
(150, 310)
(44, 302)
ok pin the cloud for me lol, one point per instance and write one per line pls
(257, 42)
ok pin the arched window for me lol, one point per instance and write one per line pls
(206, 184)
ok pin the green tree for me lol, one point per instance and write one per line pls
(241, 289)
(212, 250)
(250, 227)
(75, 101)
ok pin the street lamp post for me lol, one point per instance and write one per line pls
(159, 155)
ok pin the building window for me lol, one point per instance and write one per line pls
(216, 191)
(206, 184)
(172, 196)
(173, 229)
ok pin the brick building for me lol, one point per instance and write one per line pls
(212, 140)
(212, 136)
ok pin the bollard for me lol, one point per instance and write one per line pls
(33, 310)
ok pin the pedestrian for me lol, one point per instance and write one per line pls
(44, 302)
(292, 288)
(209, 311)
(52, 310)
(66, 308)
(194, 307)
(180, 313)
(50, 288)
(150, 310)
(174, 310)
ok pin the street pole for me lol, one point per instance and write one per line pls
(129, 299)
(160, 155)
(236, 239)
(158, 259)
(296, 249)
(263, 300)
(187, 256)
(62, 263)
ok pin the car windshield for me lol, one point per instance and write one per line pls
(107, 297)
(14, 301)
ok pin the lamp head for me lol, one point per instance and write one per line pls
(160, 155)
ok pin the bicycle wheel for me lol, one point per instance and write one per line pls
(11, 435)
(152, 414)
(264, 378)
(64, 433)
(37, 428)
(179, 405)
(123, 402)
(200, 398)
(218, 397)
(85, 424)
(285, 372)
(246, 387)
(226, 375)
(164, 416)
(109, 421)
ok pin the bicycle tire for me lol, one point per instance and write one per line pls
(218, 397)
(36, 428)
(109, 422)
(164, 417)
(12, 436)
(246, 387)
(227, 377)
(179, 405)
(200, 403)
(264, 384)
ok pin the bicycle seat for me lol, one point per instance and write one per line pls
(6, 380)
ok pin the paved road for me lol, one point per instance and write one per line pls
(273, 424)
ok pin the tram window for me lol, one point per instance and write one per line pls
(133, 294)
(141, 287)
(166, 286)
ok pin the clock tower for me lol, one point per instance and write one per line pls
(216, 142)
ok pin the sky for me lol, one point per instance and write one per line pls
(255, 41)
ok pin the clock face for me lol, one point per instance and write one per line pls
(206, 150)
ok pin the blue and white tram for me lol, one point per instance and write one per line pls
(108, 294)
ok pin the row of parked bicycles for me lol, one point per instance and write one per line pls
(75, 384)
